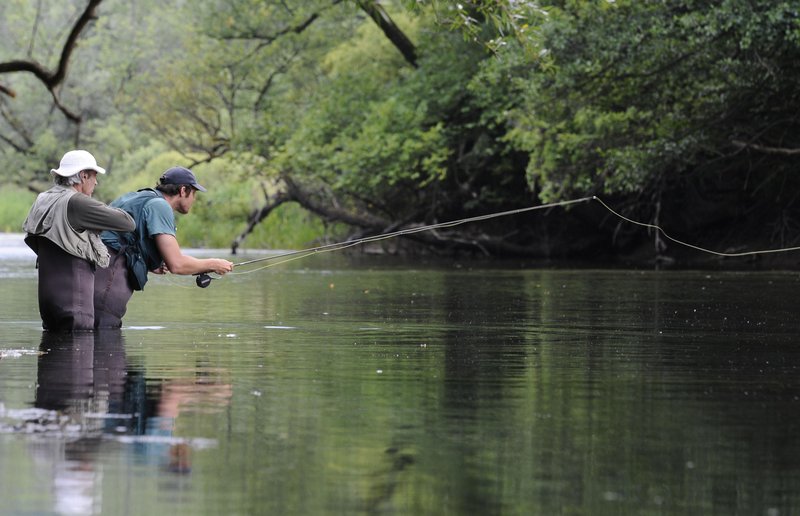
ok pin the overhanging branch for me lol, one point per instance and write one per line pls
(53, 78)
(390, 29)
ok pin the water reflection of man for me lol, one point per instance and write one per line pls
(81, 371)
(204, 390)
(87, 379)
(79, 376)
(85, 376)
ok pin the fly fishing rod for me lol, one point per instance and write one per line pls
(204, 279)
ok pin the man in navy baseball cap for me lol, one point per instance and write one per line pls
(180, 176)
(151, 247)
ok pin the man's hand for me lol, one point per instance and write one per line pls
(161, 270)
(221, 266)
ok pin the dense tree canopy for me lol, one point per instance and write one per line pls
(382, 115)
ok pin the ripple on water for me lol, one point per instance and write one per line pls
(17, 353)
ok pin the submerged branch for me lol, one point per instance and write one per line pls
(766, 149)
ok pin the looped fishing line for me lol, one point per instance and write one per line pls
(296, 255)
(692, 246)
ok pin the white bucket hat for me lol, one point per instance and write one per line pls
(76, 160)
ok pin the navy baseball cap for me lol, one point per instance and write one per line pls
(180, 176)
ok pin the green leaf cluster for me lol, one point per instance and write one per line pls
(634, 94)
(370, 130)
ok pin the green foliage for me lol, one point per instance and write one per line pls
(14, 206)
(221, 212)
(550, 100)
(513, 22)
(365, 132)
(107, 53)
(288, 227)
(33, 168)
(380, 131)
(635, 92)
(138, 169)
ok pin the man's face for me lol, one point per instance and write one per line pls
(185, 200)
(88, 182)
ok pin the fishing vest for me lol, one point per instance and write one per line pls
(48, 218)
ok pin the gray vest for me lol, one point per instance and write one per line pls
(48, 219)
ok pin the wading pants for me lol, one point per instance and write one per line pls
(66, 289)
(112, 291)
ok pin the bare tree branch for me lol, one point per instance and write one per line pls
(328, 210)
(255, 218)
(268, 39)
(390, 29)
(766, 149)
(371, 225)
(53, 78)
(8, 91)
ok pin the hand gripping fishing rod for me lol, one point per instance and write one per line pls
(204, 279)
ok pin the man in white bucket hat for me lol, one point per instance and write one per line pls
(63, 229)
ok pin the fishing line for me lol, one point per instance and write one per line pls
(296, 255)
(692, 246)
(204, 279)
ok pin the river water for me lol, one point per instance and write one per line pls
(336, 385)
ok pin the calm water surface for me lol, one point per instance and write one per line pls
(344, 386)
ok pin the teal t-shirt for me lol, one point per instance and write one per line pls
(153, 216)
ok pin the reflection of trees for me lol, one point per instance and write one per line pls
(651, 390)
(483, 359)
(564, 391)
(538, 392)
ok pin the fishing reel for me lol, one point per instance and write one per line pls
(203, 280)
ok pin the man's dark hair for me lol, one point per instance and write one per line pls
(172, 189)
